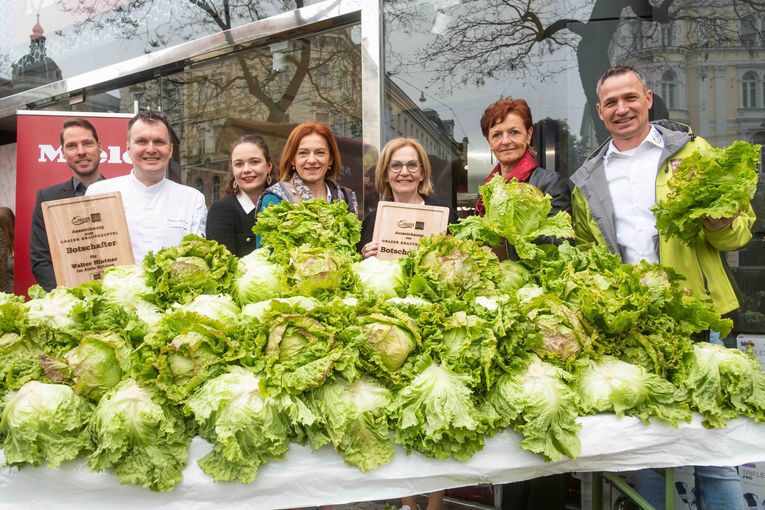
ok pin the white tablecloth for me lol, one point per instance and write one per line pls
(306, 478)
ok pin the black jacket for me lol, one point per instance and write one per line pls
(39, 250)
(368, 225)
(228, 224)
(559, 188)
(555, 185)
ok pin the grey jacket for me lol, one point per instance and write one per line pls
(591, 181)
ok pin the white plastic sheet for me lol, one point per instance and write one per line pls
(308, 478)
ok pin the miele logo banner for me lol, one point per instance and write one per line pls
(109, 155)
(40, 163)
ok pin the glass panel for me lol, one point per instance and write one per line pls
(447, 61)
(44, 40)
(264, 91)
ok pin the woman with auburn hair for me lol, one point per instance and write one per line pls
(403, 175)
(308, 168)
(230, 219)
(507, 126)
(7, 236)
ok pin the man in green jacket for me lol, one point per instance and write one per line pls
(614, 191)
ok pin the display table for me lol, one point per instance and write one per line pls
(306, 478)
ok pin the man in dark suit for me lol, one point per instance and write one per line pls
(82, 152)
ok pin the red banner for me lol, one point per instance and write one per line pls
(40, 163)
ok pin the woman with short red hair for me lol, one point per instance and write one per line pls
(507, 126)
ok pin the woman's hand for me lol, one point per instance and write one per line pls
(370, 250)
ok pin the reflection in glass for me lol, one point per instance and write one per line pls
(83, 35)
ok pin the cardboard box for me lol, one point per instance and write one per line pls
(753, 485)
(755, 343)
(685, 484)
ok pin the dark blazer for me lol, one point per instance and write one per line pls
(39, 251)
(228, 224)
(368, 225)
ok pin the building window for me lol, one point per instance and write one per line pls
(666, 35)
(751, 30)
(215, 186)
(199, 185)
(669, 89)
(749, 89)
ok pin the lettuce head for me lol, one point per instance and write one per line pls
(612, 385)
(312, 223)
(43, 423)
(196, 266)
(138, 434)
(435, 414)
(710, 183)
(537, 401)
(245, 428)
(444, 267)
(353, 418)
(258, 278)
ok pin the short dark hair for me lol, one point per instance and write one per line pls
(618, 71)
(77, 122)
(150, 117)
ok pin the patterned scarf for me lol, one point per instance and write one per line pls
(522, 171)
(301, 192)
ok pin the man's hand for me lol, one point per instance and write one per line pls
(715, 224)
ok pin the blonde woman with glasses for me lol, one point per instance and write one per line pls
(402, 175)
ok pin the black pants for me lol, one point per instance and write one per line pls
(545, 493)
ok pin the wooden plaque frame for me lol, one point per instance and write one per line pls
(86, 235)
(399, 227)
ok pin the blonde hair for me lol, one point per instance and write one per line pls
(382, 185)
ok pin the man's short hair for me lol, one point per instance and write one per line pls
(150, 116)
(618, 71)
(77, 122)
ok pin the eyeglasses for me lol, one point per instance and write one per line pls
(397, 166)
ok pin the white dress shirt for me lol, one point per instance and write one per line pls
(158, 216)
(631, 177)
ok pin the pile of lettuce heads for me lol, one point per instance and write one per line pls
(302, 342)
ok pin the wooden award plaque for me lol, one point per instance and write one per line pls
(86, 235)
(399, 227)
